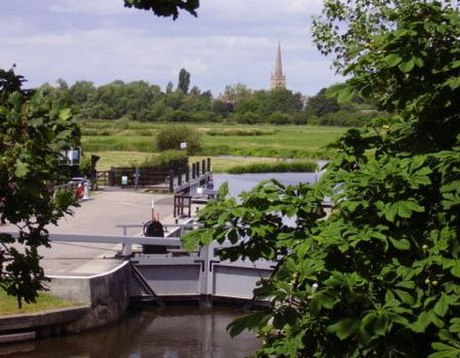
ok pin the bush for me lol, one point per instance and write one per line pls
(279, 118)
(166, 159)
(171, 137)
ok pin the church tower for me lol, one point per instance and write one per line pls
(278, 79)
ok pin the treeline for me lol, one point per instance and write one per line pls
(141, 101)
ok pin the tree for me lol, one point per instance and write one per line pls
(171, 137)
(184, 81)
(169, 87)
(165, 7)
(380, 275)
(320, 104)
(278, 99)
(33, 132)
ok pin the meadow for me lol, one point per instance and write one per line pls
(130, 143)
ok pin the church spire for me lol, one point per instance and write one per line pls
(278, 79)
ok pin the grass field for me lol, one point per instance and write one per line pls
(129, 143)
(45, 302)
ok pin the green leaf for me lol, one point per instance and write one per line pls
(65, 114)
(418, 61)
(453, 82)
(223, 190)
(408, 66)
(444, 351)
(400, 244)
(422, 322)
(406, 207)
(328, 301)
(22, 169)
(368, 319)
(344, 328)
(406, 284)
(250, 321)
(441, 307)
(436, 320)
(405, 297)
(392, 60)
(380, 325)
(344, 93)
(455, 270)
(390, 297)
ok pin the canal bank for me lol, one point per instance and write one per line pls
(98, 300)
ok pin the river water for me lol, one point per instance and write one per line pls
(180, 331)
(244, 182)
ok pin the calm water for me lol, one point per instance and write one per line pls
(170, 332)
(244, 182)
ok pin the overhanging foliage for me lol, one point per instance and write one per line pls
(33, 132)
(379, 276)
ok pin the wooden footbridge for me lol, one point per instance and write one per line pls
(178, 177)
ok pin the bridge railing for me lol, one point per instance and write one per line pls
(177, 275)
(171, 231)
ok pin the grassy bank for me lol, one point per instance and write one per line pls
(279, 167)
(130, 143)
(8, 304)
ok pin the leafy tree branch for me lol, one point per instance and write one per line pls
(380, 274)
(33, 132)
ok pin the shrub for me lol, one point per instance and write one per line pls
(171, 137)
(165, 159)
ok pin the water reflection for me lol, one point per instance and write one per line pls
(170, 332)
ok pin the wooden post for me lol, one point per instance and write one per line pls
(179, 177)
(171, 181)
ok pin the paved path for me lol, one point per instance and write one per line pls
(100, 215)
(106, 209)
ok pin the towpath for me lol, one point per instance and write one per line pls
(100, 215)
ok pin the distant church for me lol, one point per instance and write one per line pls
(278, 79)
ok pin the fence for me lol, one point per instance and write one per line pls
(171, 176)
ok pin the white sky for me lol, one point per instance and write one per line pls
(101, 41)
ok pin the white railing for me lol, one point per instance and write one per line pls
(178, 273)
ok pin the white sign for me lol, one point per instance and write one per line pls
(183, 145)
(70, 157)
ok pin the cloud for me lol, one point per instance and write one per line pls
(304, 6)
(100, 41)
(88, 7)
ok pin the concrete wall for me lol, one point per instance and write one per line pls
(106, 295)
